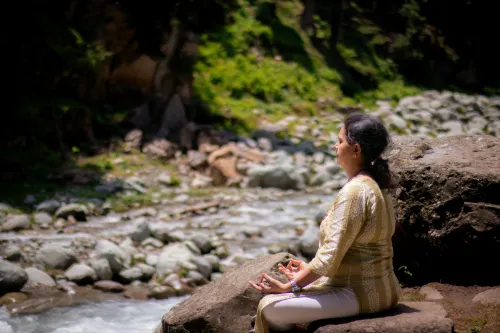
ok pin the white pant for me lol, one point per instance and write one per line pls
(283, 315)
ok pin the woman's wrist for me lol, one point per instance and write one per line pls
(287, 287)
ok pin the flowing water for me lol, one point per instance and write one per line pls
(103, 317)
(276, 219)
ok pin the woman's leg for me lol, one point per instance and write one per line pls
(282, 315)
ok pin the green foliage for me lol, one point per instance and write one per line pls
(236, 74)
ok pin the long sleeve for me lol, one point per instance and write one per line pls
(342, 225)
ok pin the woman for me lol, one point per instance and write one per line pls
(352, 271)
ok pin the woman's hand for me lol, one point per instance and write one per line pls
(267, 284)
(293, 268)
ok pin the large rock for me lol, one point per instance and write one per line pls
(284, 177)
(174, 257)
(117, 258)
(49, 206)
(16, 222)
(38, 277)
(79, 212)
(490, 296)
(81, 274)
(12, 277)
(410, 317)
(448, 208)
(225, 305)
(56, 256)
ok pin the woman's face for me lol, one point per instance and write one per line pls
(346, 154)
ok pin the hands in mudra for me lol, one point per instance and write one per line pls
(267, 284)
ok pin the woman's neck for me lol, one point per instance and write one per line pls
(354, 172)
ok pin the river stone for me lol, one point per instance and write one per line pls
(117, 258)
(12, 252)
(139, 257)
(109, 286)
(5, 208)
(447, 208)
(42, 218)
(16, 222)
(488, 297)
(162, 292)
(172, 258)
(13, 297)
(152, 259)
(318, 218)
(56, 256)
(407, 317)
(79, 212)
(203, 266)
(192, 246)
(174, 281)
(12, 277)
(127, 245)
(48, 206)
(202, 241)
(147, 270)
(284, 177)
(102, 269)
(150, 241)
(320, 179)
(141, 232)
(309, 241)
(131, 274)
(213, 260)
(39, 277)
(80, 274)
(207, 308)
(196, 277)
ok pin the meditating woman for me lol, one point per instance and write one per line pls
(352, 272)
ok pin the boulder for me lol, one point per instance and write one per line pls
(225, 305)
(81, 274)
(174, 257)
(79, 212)
(12, 252)
(283, 176)
(407, 317)
(56, 256)
(16, 222)
(448, 208)
(490, 296)
(109, 286)
(38, 277)
(49, 206)
(12, 277)
(117, 258)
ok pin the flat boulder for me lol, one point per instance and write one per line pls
(407, 317)
(227, 304)
(448, 208)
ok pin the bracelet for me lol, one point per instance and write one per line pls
(295, 287)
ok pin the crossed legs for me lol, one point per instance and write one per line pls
(283, 315)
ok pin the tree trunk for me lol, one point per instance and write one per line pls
(306, 19)
(337, 17)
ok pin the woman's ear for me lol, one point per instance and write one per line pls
(357, 149)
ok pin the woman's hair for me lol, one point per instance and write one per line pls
(369, 132)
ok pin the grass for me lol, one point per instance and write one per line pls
(108, 166)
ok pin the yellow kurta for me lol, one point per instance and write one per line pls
(355, 250)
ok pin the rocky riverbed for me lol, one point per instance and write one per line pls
(157, 232)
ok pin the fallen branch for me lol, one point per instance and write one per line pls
(201, 206)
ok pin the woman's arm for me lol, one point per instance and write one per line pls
(343, 226)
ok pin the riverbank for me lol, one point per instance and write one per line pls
(160, 222)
